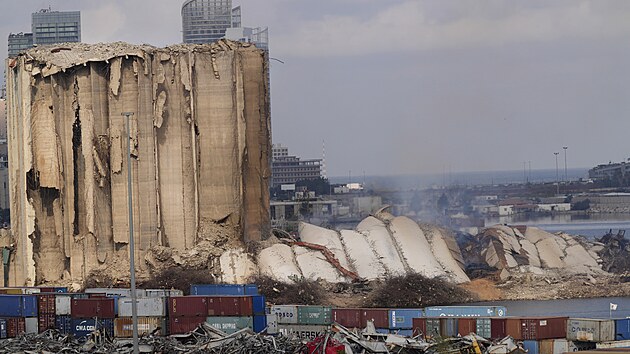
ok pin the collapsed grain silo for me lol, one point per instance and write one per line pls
(200, 144)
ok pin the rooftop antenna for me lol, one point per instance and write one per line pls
(324, 174)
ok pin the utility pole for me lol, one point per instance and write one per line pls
(566, 176)
(557, 178)
(132, 266)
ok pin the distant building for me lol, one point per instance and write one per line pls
(19, 42)
(257, 36)
(611, 170)
(47, 27)
(288, 169)
(205, 21)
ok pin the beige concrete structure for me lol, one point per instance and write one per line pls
(200, 138)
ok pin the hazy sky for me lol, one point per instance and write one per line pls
(411, 86)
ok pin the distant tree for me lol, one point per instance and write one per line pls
(582, 205)
(320, 185)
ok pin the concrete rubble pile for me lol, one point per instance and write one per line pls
(200, 144)
(525, 249)
(381, 245)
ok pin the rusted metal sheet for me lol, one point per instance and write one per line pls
(230, 306)
(350, 318)
(380, 317)
(544, 328)
(466, 326)
(419, 327)
(188, 306)
(123, 326)
(88, 308)
(46, 304)
(181, 325)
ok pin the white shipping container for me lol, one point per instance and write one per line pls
(62, 305)
(147, 307)
(124, 292)
(163, 292)
(590, 330)
(272, 324)
(302, 331)
(285, 314)
(31, 325)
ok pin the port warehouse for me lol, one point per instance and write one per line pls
(230, 308)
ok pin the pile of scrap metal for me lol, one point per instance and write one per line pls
(344, 340)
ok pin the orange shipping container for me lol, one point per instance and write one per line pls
(123, 326)
(513, 328)
(466, 326)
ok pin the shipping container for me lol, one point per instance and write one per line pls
(286, 314)
(543, 328)
(31, 325)
(590, 330)
(123, 326)
(622, 329)
(239, 306)
(465, 326)
(448, 327)
(433, 328)
(88, 308)
(163, 292)
(82, 327)
(465, 311)
(484, 328)
(224, 289)
(232, 324)
(556, 346)
(302, 331)
(123, 292)
(146, 307)
(18, 305)
(403, 318)
(188, 306)
(259, 305)
(46, 322)
(3, 328)
(420, 327)
(315, 315)
(46, 303)
(513, 328)
(272, 324)
(608, 346)
(498, 328)
(53, 289)
(63, 305)
(531, 346)
(380, 317)
(182, 325)
(260, 323)
(350, 318)
(15, 326)
(64, 324)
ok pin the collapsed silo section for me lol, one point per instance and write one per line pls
(200, 144)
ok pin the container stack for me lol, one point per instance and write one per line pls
(19, 313)
(300, 320)
(92, 314)
(151, 313)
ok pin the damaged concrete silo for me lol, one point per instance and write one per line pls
(200, 138)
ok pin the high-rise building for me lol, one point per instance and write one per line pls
(205, 21)
(19, 42)
(288, 169)
(257, 36)
(50, 27)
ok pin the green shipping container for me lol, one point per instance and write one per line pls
(230, 325)
(314, 315)
(433, 328)
(483, 327)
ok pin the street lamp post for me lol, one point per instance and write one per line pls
(132, 266)
(566, 176)
(557, 180)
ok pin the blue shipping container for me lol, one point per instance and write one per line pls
(258, 304)
(18, 305)
(82, 327)
(260, 323)
(403, 318)
(531, 346)
(224, 289)
(63, 324)
(622, 329)
(465, 311)
(3, 328)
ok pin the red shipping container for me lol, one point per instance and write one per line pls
(15, 326)
(350, 318)
(419, 326)
(465, 326)
(46, 304)
(46, 289)
(89, 308)
(380, 317)
(97, 296)
(182, 325)
(45, 322)
(498, 328)
(188, 306)
(513, 328)
(544, 328)
(230, 306)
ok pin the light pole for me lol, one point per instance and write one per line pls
(566, 176)
(557, 181)
(132, 266)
